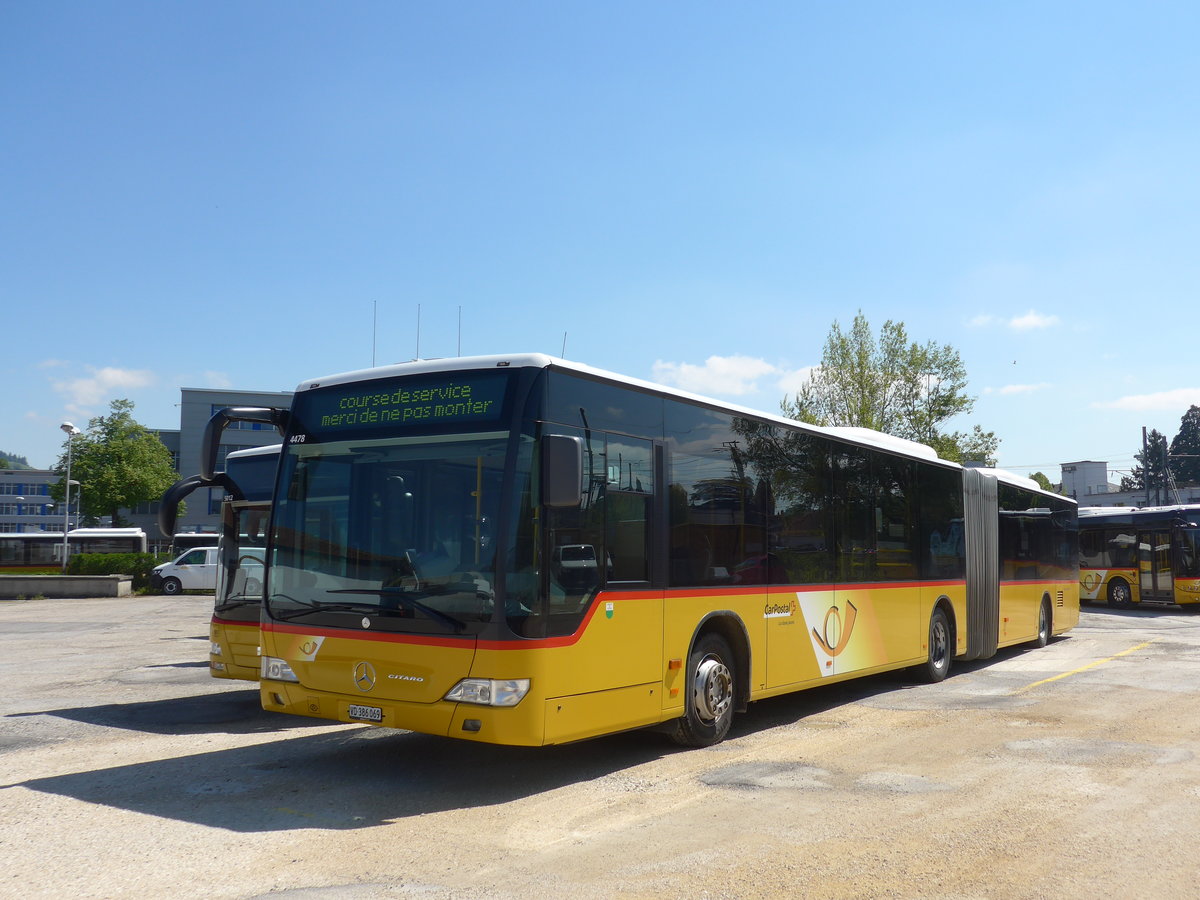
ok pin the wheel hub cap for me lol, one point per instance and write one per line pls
(713, 689)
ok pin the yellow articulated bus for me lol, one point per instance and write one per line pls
(1140, 556)
(248, 481)
(523, 550)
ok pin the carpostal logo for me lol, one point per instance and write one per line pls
(780, 610)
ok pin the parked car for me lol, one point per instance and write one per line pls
(191, 571)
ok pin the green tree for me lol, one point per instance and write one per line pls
(1185, 448)
(118, 463)
(893, 385)
(1043, 482)
(12, 461)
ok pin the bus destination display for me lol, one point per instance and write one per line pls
(404, 402)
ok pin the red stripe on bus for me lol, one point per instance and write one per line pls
(568, 640)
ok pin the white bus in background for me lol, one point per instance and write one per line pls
(41, 549)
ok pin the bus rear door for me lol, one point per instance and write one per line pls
(1157, 574)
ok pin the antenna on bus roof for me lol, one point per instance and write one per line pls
(374, 328)
(564, 350)
(459, 330)
(418, 356)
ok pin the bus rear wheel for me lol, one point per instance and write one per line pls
(941, 649)
(708, 707)
(1044, 625)
(1119, 595)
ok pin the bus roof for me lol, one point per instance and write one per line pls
(863, 436)
(1147, 511)
(268, 450)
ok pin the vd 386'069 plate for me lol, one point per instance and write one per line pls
(366, 713)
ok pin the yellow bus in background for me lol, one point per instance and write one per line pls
(248, 481)
(524, 550)
(1140, 556)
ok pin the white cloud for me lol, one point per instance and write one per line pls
(1010, 389)
(217, 380)
(81, 393)
(1027, 322)
(52, 363)
(1164, 401)
(725, 375)
(1032, 320)
(790, 381)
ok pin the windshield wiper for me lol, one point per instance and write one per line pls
(307, 607)
(408, 602)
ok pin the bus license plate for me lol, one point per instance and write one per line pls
(367, 713)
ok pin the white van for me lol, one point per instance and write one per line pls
(195, 570)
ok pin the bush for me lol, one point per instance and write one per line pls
(139, 565)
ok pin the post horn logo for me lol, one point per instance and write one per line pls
(834, 644)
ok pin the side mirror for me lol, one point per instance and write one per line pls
(168, 510)
(210, 443)
(562, 471)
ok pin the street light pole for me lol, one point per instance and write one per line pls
(71, 431)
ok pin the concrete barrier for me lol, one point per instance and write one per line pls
(65, 586)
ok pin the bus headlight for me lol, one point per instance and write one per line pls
(490, 691)
(272, 669)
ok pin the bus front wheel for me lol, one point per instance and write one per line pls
(172, 586)
(708, 707)
(1119, 594)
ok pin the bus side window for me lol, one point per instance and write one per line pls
(1120, 550)
(628, 507)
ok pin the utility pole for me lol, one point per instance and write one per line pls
(1146, 464)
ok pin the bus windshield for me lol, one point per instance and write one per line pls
(240, 574)
(396, 532)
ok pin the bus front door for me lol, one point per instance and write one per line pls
(1157, 574)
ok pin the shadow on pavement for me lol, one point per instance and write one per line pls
(1142, 611)
(239, 711)
(344, 780)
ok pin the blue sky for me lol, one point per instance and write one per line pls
(225, 194)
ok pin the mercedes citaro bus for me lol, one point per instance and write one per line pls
(525, 550)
